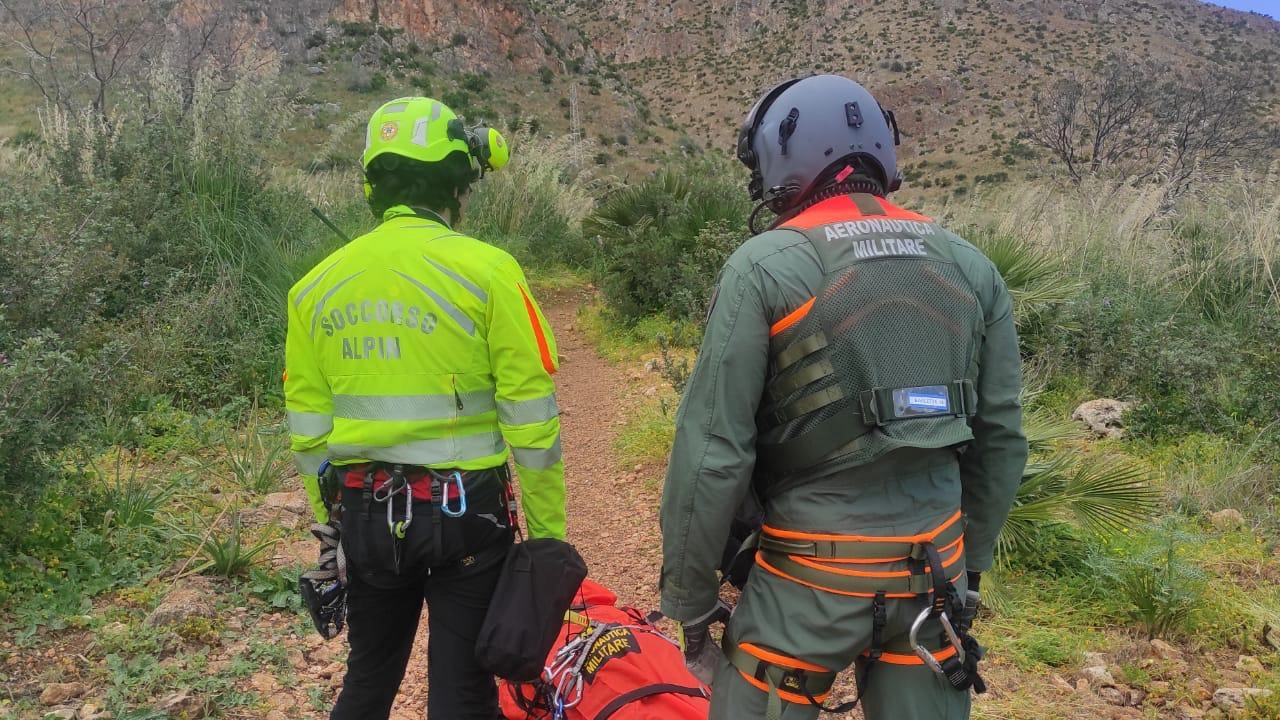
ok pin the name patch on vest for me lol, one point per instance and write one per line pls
(855, 228)
(924, 400)
(889, 247)
(612, 643)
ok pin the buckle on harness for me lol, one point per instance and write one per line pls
(923, 653)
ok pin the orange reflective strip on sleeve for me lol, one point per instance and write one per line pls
(796, 316)
(548, 362)
(912, 659)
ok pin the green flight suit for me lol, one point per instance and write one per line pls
(905, 491)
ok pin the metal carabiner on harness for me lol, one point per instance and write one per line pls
(396, 485)
(923, 653)
(462, 497)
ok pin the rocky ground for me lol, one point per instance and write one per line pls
(242, 660)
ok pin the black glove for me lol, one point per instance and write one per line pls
(701, 655)
(969, 612)
(324, 589)
(975, 579)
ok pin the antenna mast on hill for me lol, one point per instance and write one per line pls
(575, 126)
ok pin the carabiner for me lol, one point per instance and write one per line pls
(398, 528)
(462, 498)
(569, 690)
(924, 654)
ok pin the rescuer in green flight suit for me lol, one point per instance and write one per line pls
(860, 376)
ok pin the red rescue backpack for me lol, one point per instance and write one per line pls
(608, 663)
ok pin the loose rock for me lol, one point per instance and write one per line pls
(1103, 416)
(58, 693)
(63, 714)
(1227, 519)
(194, 598)
(1227, 699)
(1098, 676)
(1114, 695)
(183, 704)
(1250, 664)
(290, 509)
(1165, 651)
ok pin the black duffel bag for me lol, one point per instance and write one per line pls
(538, 583)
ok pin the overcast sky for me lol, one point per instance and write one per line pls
(1266, 7)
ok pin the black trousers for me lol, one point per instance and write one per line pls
(388, 583)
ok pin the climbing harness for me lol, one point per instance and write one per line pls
(398, 486)
(841, 564)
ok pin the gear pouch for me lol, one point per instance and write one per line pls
(538, 582)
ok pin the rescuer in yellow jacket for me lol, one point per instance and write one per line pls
(417, 362)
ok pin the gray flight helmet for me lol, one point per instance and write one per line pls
(806, 130)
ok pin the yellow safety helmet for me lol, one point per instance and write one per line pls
(423, 129)
(488, 147)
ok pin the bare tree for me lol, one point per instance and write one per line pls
(1134, 120)
(1091, 123)
(1209, 122)
(1058, 124)
(212, 38)
(79, 48)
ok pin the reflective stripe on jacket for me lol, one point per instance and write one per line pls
(416, 344)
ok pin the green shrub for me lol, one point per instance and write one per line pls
(664, 240)
(144, 264)
(1188, 373)
(1044, 647)
(1156, 586)
(534, 206)
(68, 543)
(43, 395)
(1180, 314)
(226, 552)
(154, 256)
(255, 455)
(277, 589)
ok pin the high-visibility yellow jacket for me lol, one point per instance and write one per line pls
(416, 344)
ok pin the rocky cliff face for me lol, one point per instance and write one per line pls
(961, 74)
(479, 34)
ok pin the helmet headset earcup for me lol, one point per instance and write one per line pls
(747, 133)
